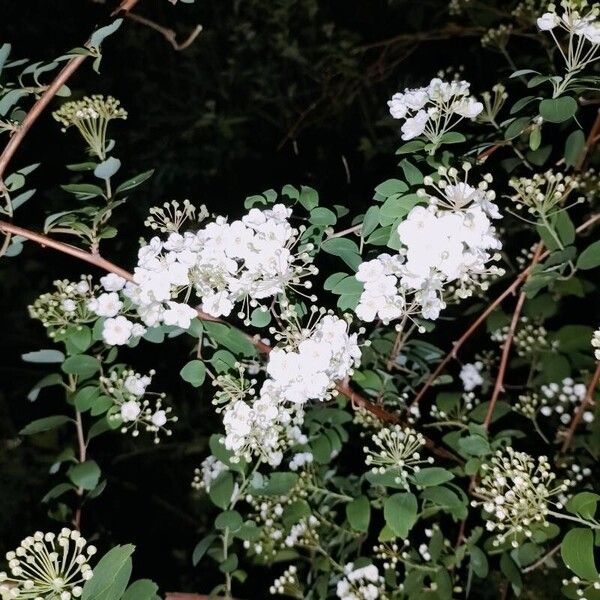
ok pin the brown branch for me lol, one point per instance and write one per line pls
(587, 402)
(590, 143)
(511, 289)
(168, 34)
(499, 384)
(45, 241)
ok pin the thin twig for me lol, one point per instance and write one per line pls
(499, 384)
(587, 402)
(82, 458)
(541, 561)
(167, 33)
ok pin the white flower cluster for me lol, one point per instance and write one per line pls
(362, 583)
(47, 566)
(132, 407)
(516, 493)
(596, 344)
(470, 375)
(456, 413)
(575, 23)
(223, 263)
(398, 450)
(451, 240)
(305, 368)
(434, 109)
(208, 472)
(561, 398)
(529, 338)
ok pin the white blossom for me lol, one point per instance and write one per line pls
(470, 375)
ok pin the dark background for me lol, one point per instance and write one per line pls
(272, 92)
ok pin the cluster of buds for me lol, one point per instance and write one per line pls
(91, 116)
(287, 584)
(497, 37)
(542, 195)
(458, 412)
(171, 216)
(208, 472)
(398, 450)
(596, 344)
(516, 492)
(66, 306)
(134, 408)
(529, 338)
(276, 534)
(561, 398)
(48, 566)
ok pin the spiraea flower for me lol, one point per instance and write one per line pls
(171, 216)
(517, 492)
(288, 584)
(530, 338)
(208, 472)
(579, 21)
(470, 375)
(398, 451)
(492, 104)
(433, 110)
(224, 264)
(91, 116)
(48, 566)
(563, 398)
(360, 583)
(596, 344)
(452, 240)
(544, 194)
(452, 411)
(68, 305)
(134, 408)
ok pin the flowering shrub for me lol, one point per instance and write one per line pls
(356, 455)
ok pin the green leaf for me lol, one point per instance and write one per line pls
(85, 475)
(278, 483)
(142, 589)
(309, 198)
(432, 476)
(230, 519)
(574, 147)
(44, 356)
(572, 338)
(134, 181)
(221, 490)
(82, 365)
(260, 318)
(85, 191)
(590, 257)
(358, 513)
(106, 169)
(370, 221)
(194, 373)
(45, 424)
(322, 216)
(557, 110)
(583, 504)
(349, 285)
(202, 547)
(411, 173)
(57, 491)
(479, 562)
(577, 551)
(48, 381)
(346, 249)
(101, 34)
(111, 575)
(400, 512)
(85, 397)
(475, 445)
(391, 187)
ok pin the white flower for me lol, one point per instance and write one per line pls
(217, 305)
(208, 472)
(130, 411)
(69, 305)
(548, 21)
(106, 305)
(471, 375)
(179, 314)
(117, 331)
(112, 282)
(596, 344)
(159, 418)
(468, 108)
(414, 126)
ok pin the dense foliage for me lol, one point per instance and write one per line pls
(316, 390)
